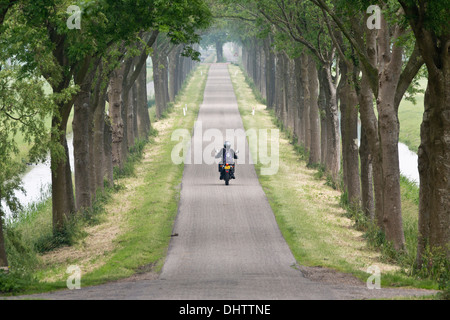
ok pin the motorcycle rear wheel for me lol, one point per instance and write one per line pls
(227, 178)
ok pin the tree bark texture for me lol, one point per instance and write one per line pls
(63, 202)
(388, 126)
(434, 150)
(108, 170)
(81, 143)
(349, 132)
(322, 102)
(314, 121)
(143, 118)
(115, 113)
(219, 51)
(301, 80)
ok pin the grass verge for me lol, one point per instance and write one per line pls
(410, 116)
(316, 227)
(132, 230)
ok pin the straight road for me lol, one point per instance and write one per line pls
(229, 245)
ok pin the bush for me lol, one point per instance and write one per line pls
(15, 280)
(20, 253)
(444, 285)
(49, 242)
(436, 266)
(22, 258)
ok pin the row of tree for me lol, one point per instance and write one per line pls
(325, 65)
(102, 61)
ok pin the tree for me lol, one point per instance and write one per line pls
(63, 55)
(23, 108)
(78, 64)
(302, 23)
(429, 22)
(12, 120)
(279, 67)
(159, 56)
(216, 36)
(380, 53)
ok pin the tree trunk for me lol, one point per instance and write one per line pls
(279, 92)
(370, 124)
(143, 118)
(367, 197)
(173, 64)
(63, 202)
(302, 99)
(98, 149)
(96, 135)
(180, 72)
(303, 89)
(388, 127)
(124, 114)
(314, 149)
(349, 131)
(389, 131)
(291, 100)
(334, 144)
(81, 143)
(263, 85)
(333, 158)
(165, 74)
(370, 177)
(115, 113)
(159, 87)
(257, 67)
(434, 153)
(130, 117)
(434, 150)
(307, 104)
(108, 171)
(281, 89)
(270, 74)
(3, 257)
(322, 103)
(219, 51)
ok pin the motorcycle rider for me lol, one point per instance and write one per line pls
(227, 155)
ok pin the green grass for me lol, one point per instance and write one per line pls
(317, 229)
(143, 206)
(410, 116)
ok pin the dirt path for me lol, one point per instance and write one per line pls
(228, 244)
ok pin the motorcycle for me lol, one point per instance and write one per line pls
(227, 170)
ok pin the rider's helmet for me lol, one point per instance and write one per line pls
(227, 145)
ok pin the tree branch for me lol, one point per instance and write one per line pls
(369, 68)
(413, 66)
(130, 79)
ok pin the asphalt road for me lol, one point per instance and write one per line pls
(229, 245)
